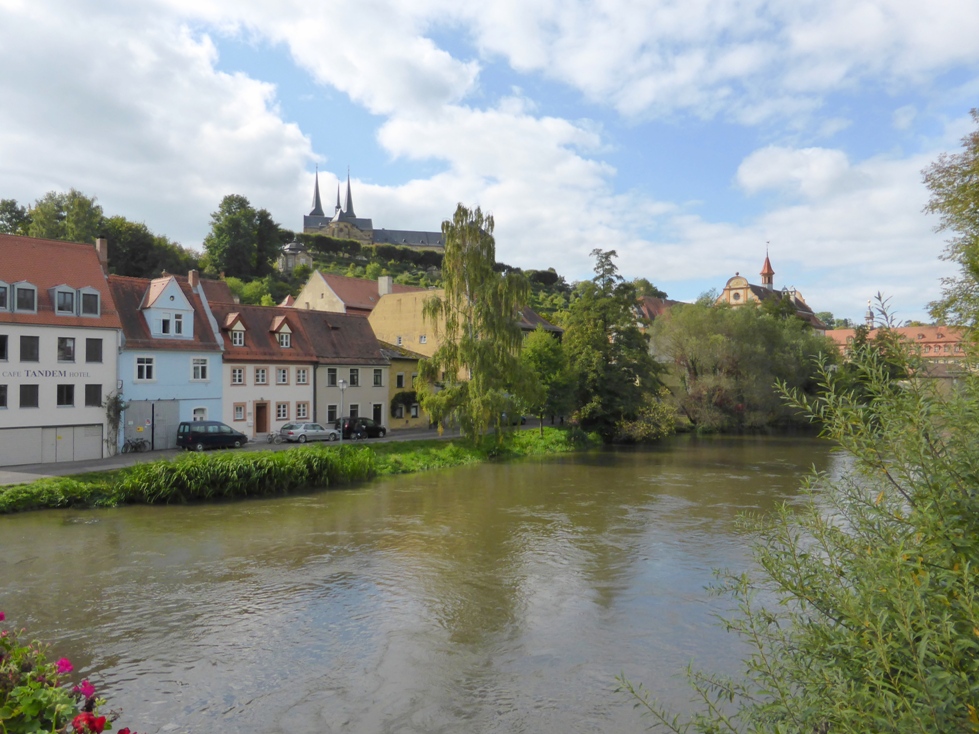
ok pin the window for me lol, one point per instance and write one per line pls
(4, 302)
(354, 377)
(397, 341)
(302, 411)
(3, 347)
(66, 349)
(178, 324)
(285, 340)
(399, 380)
(331, 376)
(165, 324)
(422, 339)
(28, 396)
(199, 414)
(237, 375)
(93, 396)
(331, 413)
(90, 304)
(3, 396)
(261, 376)
(399, 411)
(239, 411)
(281, 375)
(64, 302)
(93, 350)
(30, 348)
(378, 377)
(66, 396)
(414, 410)
(144, 369)
(354, 410)
(302, 376)
(199, 368)
(237, 338)
(282, 411)
(26, 298)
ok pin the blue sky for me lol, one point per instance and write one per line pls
(685, 135)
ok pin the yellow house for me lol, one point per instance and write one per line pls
(404, 374)
(342, 294)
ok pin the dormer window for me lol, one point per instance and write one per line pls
(90, 301)
(165, 324)
(285, 339)
(4, 296)
(178, 324)
(25, 297)
(64, 302)
(237, 338)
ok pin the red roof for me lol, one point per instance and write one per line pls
(358, 294)
(766, 269)
(49, 263)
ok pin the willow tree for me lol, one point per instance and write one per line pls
(474, 373)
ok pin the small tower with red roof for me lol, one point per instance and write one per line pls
(767, 274)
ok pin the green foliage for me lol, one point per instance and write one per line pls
(862, 611)
(14, 218)
(612, 372)
(654, 420)
(243, 242)
(136, 252)
(405, 399)
(472, 373)
(68, 216)
(546, 368)
(725, 362)
(954, 184)
(645, 288)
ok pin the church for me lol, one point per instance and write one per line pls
(346, 225)
(738, 291)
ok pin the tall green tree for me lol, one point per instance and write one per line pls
(954, 183)
(474, 373)
(70, 216)
(546, 368)
(243, 242)
(269, 240)
(14, 218)
(613, 374)
(138, 253)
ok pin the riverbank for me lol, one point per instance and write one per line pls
(229, 475)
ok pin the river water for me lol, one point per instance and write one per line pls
(496, 598)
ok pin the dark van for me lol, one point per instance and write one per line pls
(200, 435)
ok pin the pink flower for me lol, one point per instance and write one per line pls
(2, 616)
(86, 689)
(65, 666)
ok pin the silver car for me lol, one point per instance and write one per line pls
(303, 432)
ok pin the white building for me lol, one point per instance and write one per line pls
(59, 334)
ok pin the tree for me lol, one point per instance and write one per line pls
(725, 363)
(243, 242)
(474, 372)
(546, 367)
(269, 240)
(954, 184)
(613, 375)
(645, 288)
(70, 216)
(14, 218)
(136, 252)
(861, 613)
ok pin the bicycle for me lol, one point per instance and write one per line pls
(273, 438)
(135, 445)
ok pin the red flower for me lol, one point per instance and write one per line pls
(88, 723)
(2, 616)
(65, 666)
(86, 689)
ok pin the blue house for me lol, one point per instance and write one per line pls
(170, 357)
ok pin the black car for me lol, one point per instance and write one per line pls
(360, 427)
(200, 435)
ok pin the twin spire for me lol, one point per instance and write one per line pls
(347, 210)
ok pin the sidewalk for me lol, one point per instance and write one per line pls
(31, 472)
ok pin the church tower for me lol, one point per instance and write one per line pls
(767, 274)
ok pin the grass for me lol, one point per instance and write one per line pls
(229, 475)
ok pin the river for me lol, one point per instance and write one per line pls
(495, 598)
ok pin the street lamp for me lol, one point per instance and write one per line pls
(343, 386)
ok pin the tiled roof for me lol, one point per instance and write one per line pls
(155, 289)
(217, 291)
(359, 294)
(129, 293)
(529, 320)
(651, 306)
(923, 336)
(341, 338)
(49, 263)
(393, 351)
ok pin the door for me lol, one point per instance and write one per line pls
(166, 418)
(65, 447)
(261, 418)
(378, 413)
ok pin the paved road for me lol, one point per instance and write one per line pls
(31, 472)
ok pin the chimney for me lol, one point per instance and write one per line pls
(193, 279)
(102, 248)
(385, 285)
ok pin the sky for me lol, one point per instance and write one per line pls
(686, 135)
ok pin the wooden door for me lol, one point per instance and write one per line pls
(261, 418)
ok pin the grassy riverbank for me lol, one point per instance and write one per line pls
(228, 475)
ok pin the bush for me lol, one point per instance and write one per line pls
(862, 614)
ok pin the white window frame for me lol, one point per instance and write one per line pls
(302, 376)
(237, 338)
(331, 376)
(67, 340)
(200, 369)
(239, 409)
(354, 410)
(199, 411)
(302, 410)
(285, 339)
(378, 377)
(178, 324)
(238, 372)
(148, 365)
(331, 410)
(354, 377)
(281, 375)
(265, 375)
(282, 411)
(422, 339)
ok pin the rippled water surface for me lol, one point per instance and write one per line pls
(484, 599)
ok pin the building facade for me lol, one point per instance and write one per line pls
(739, 292)
(170, 358)
(59, 331)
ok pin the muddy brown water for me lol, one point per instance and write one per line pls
(495, 598)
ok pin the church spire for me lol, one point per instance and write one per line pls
(317, 204)
(349, 209)
(767, 273)
(338, 209)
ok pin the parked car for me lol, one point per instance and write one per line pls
(303, 432)
(366, 426)
(200, 435)
(512, 419)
